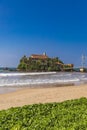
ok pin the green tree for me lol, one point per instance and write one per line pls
(24, 59)
(22, 66)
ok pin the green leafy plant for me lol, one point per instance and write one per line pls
(68, 115)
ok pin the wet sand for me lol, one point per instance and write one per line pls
(34, 95)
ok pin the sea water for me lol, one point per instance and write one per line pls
(19, 79)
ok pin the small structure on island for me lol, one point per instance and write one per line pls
(44, 53)
(68, 67)
(65, 67)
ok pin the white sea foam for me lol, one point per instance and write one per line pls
(25, 74)
(33, 82)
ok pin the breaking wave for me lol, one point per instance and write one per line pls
(38, 78)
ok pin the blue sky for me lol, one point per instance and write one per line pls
(57, 27)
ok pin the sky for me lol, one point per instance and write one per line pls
(57, 27)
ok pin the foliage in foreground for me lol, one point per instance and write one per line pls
(68, 115)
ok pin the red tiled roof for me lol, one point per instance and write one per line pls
(35, 56)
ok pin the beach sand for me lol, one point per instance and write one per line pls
(34, 95)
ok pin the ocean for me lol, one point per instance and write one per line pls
(38, 78)
(10, 81)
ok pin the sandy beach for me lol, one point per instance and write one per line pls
(34, 95)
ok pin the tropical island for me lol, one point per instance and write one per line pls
(37, 62)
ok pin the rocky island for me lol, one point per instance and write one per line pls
(37, 62)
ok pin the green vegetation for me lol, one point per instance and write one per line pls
(49, 64)
(68, 115)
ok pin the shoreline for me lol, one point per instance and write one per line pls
(9, 89)
(27, 96)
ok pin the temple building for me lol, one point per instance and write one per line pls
(37, 56)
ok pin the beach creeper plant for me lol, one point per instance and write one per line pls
(68, 115)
